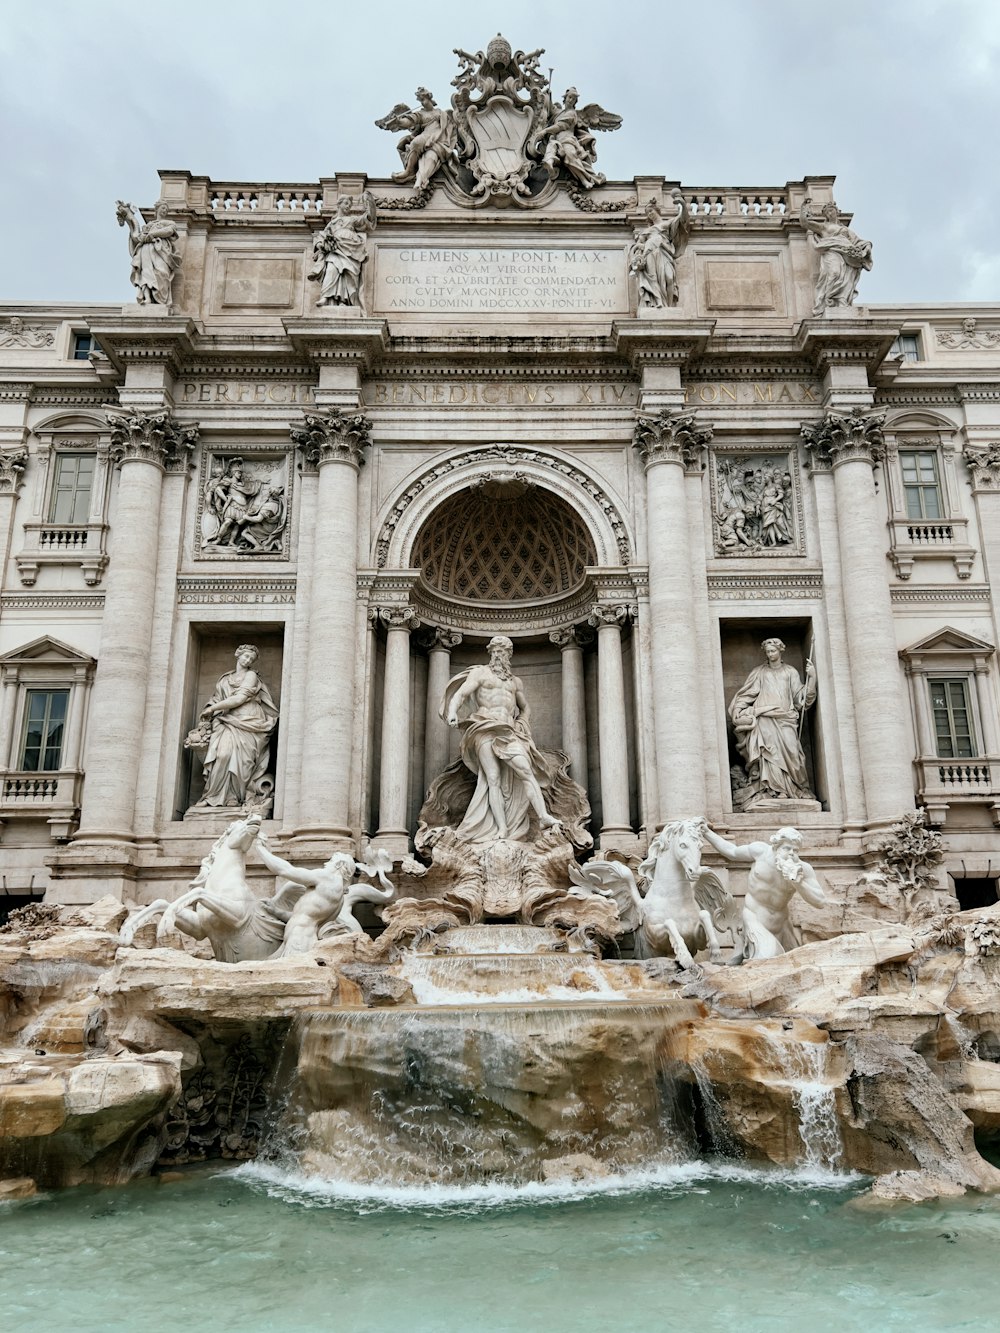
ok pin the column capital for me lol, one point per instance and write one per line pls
(12, 465)
(984, 465)
(671, 437)
(845, 437)
(394, 617)
(612, 614)
(439, 638)
(333, 437)
(150, 437)
(570, 636)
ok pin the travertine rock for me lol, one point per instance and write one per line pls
(67, 1121)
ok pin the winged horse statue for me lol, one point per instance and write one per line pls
(680, 909)
(220, 905)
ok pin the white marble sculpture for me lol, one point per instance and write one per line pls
(340, 251)
(234, 730)
(652, 256)
(429, 143)
(766, 713)
(684, 906)
(570, 141)
(326, 906)
(843, 255)
(220, 906)
(503, 137)
(754, 506)
(153, 247)
(488, 704)
(777, 873)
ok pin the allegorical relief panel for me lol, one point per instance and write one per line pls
(756, 504)
(243, 505)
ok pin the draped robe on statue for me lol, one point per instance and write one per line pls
(765, 715)
(237, 754)
(505, 740)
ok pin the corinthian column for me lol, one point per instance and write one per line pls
(333, 442)
(574, 703)
(668, 444)
(851, 443)
(143, 444)
(608, 621)
(436, 732)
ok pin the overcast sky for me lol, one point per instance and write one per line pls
(899, 98)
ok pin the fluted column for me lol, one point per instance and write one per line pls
(574, 703)
(851, 443)
(333, 442)
(668, 444)
(436, 730)
(394, 767)
(611, 722)
(143, 444)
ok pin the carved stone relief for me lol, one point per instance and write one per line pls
(756, 503)
(968, 338)
(504, 137)
(243, 505)
(15, 333)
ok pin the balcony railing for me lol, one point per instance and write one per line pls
(913, 540)
(945, 782)
(54, 797)
(83, 544)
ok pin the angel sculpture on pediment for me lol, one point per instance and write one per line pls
(571, 143)
(430, 143)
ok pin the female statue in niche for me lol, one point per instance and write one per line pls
(766, 713)
(234, 729)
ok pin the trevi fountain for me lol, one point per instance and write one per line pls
(493, 873)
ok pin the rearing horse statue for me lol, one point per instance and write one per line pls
(683, 906)
(220, 906)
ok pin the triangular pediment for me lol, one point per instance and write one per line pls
(46, 651)
(948, 640)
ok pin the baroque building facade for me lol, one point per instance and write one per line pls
(367, 425)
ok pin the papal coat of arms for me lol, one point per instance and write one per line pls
(504, 139)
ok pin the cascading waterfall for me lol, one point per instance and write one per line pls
(803, 1065)
(465, 1094)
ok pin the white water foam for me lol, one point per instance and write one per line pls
(681, 1177)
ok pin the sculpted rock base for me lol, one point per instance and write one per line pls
(525, 1056)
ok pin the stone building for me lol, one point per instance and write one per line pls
(365, 424)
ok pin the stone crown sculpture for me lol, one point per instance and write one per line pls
(504, 140)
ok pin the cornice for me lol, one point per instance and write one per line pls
(351, 340)
(661, 341)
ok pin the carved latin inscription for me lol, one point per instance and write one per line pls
(513, 278)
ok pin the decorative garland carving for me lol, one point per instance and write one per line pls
(587, 205)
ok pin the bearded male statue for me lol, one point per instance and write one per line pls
(487, 704)
(777, 873)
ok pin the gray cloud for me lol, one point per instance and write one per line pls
(900, 99)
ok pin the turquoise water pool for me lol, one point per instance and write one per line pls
(686, 1247)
